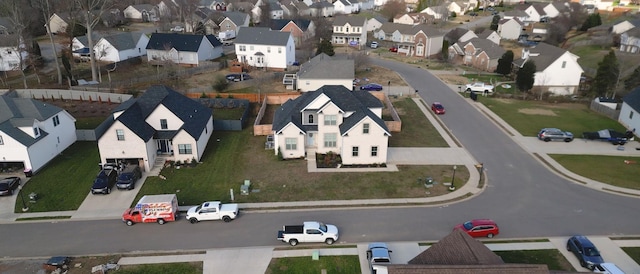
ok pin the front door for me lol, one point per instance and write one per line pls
(164, 146)
(311, 140)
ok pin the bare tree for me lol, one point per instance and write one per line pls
(14, 10)
(360, 60)
(46, 9)
(393, 8)
(92, 11)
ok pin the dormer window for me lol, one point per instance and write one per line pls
(36, 131)
(163, 124)
(310, 118)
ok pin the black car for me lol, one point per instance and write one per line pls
(237, 77)
(105, 180)
(587, 253)
(8, 185)
(128, 177)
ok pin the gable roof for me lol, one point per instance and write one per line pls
(633, 99)
(322, 66)
(236, 17)
(179, 41)
(262, 36)
(468, 269)
(357, 102)
(193, 114)
(543, 55)
(455, 34)
(279, 24)
(351, 20)
(486, 33)
(143, 7)
(84, 40)
(634, 32)
(515, 13)
(123, 40)
(18, 112)
(492, 50)
(457, 248)
(429, 30)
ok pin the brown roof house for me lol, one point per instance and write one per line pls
(479, 53)
(460, 254)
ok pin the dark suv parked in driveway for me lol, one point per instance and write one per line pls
(128, 177)
(550, 134)
(105, 180)
(587, 253)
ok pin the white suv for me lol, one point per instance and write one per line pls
(374, 45)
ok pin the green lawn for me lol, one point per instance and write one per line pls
(417, 131)
(550, 257)
(172, 268)
(633, 252)
(573, 117)
(610, 169)
(228, 113)
(65, 182)
(89, 122)
(303, 265)
(590, 56)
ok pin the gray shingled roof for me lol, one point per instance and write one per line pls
(634, 32)
(124, 40)
(85, 40)
(278, 24)
(352, 20)
(543, 55)
(429, 30)
(515, 13)
(193, 114)
(236, 17)
(320, 5)
(493, 50)
(262, 36)
(181, 42)
(470, 269)
(143, 7)
(454, 35)
(17, 112)
(357, 101)
(633, 99)
(457, 248)
(323, 66)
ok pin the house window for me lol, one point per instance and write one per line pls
(242, 48)
(354, 151)
(1, 142)
(310, 118)
(330, 120)
(365, 128)
(279, 50)
(374, 151)
(120, 134)
(291, 143)
(163, 123)
(630, 115)
(184, 149)
(330, 140)
(268, 49)
(36, 131)
(56, 120)
(346, 30)
(564, 64)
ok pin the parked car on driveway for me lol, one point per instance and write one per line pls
(551, 134)
(437, 108)
(177, 29)
(8, 185)
(479, 228)
(128, 177)
(585, 250)
(237, 77)
(378, 255)
(105, 181)
(374, 45)
(479, 87)
(371, 86)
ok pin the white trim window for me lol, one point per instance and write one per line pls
(374, 151)
(291, 143)
(184, 149)
(120, 134)
(330, 120)
(330, 140)
(365, 128)
(355, 151)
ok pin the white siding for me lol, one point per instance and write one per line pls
(629, 117)
(274, 56)
(131, 147)
(202, 142)
(356, 138)
(561, 81)
(14, 151)
(183, 138)
(314, 84)
(290, 131)
(131, 13)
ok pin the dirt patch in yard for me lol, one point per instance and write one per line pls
(537, 111)
(453, 79)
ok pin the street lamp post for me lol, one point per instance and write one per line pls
(453, 178)
(24, 205)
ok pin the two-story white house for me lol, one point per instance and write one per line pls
(332, 119)
(557, 70)
(630, 111)
(142, 13)
(349, 30)
(510, 29)
(345, 7)
(182, 49)
(33, 132)
(630, 41)
(161, 122)
(265, 48)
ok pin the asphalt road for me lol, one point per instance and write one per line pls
(525, 198)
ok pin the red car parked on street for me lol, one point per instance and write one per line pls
(437, 108)
(479, 228)
(393, 49)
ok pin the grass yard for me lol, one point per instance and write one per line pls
(304, 265)
(528, 117)
(228, 113)
(610, 169)
(65, 182)
(89, 122)
(550, 257)
(172, 268)
(417, 131)
(633, 252)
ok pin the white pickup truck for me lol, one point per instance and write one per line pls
(479, 87)
(212, 211)
(308, 232)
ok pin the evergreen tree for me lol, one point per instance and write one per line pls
(525, 76)
(606, 76)
(505, 63)
(592, 21)
(634, 79)
(445, 50)
(494, 23)
(325, 47)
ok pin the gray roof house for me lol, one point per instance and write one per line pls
(160, 123)
(479, 53)
(33, 132)
(183, 49)
(325, 70)
(630, 110)
(121, 46)
(332, 119)
(265, 48)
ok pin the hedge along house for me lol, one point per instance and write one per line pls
(332, 119)
(161, 123)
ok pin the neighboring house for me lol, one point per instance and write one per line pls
(379, 3)
(413, 18)
(182, 49)
(630, 41)
(510, 29)
(275, 11)
(332, 119)
(438, 12)
(375, 23)
(213, 5)
(295, 8)
(535, 12)
(558, 71)
(344, 7)
(59, 22)
(623, 26)
(517, 14)
(556, 8)
(301, 29)
(490, 35)
(12, 52)
(206, 18)
(459, 7)
(167, 8)
(159, 122)
(321, 9)
(459, 253)
(630, 111)
(6, 27)
(349, 30)
(479, 53)
(121, 46)
(33, 132)
(142, 13)
(265, 48)
(325, 70)
(420, 40)
(459, 35)
(234, 20)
